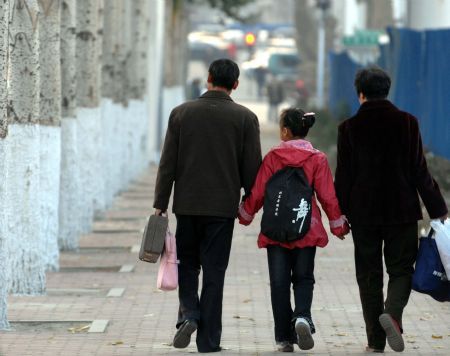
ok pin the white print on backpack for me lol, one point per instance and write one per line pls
(302, 212)
(280, 193)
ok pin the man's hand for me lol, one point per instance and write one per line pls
(443, 218)
(158, 212)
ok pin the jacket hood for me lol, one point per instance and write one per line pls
(294, 153)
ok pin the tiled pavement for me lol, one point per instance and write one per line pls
(141, 320)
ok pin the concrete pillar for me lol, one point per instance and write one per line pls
(50, 129)
(70, 206)
(22, 154)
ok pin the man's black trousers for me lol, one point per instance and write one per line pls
(398, 244)
(203, 242)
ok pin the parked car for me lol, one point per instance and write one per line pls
(206, 47)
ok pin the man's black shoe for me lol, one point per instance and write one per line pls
(182, 337)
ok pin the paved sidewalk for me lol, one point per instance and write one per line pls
(141, 319)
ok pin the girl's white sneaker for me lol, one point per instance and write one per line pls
(305, 339)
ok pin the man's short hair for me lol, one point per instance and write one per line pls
(224, 73)
(373, 82)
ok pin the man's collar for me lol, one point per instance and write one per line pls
(216, 94)
(376, 105)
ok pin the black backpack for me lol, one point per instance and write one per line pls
(287, 205)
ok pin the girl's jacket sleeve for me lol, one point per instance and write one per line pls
(326, 194)
(255, 200)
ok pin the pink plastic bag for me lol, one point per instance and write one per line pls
(168, 266)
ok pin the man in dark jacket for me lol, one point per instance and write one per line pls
(212, 150)
(381, 169)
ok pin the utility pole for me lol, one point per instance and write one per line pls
(322, 5)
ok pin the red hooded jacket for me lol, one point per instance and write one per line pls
(298, 153)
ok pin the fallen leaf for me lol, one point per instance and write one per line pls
(438, 347)
(426, 317)
(117, 343)
(436, 336)
(341, 334)
(246, 301)
(243, 317)
(79, 329)
(411, 341)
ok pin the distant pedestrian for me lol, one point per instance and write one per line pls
(292, 263)
(212, 150)
(275, 96)
(260, 78)
(195, 89)
(380, 169)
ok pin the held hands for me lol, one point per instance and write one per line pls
(344, 230)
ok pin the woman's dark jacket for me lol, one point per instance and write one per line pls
(212, 149)
(381, 168)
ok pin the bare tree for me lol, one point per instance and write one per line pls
(23, 213)
(50, 131)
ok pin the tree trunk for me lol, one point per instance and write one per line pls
(23, 98)
(88, 100)
(70, 189)
(4, 6)
(50, 130)
(88, 89)
(25, 255)
(4, 267)
(379, 14)
(306, 24)
(111, 112)
(139, 40)
(137, 79)
(176, 44)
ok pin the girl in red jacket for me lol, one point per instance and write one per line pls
(293, 262)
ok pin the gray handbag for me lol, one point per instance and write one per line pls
(153, 239)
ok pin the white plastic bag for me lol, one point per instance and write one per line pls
(442, 237)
